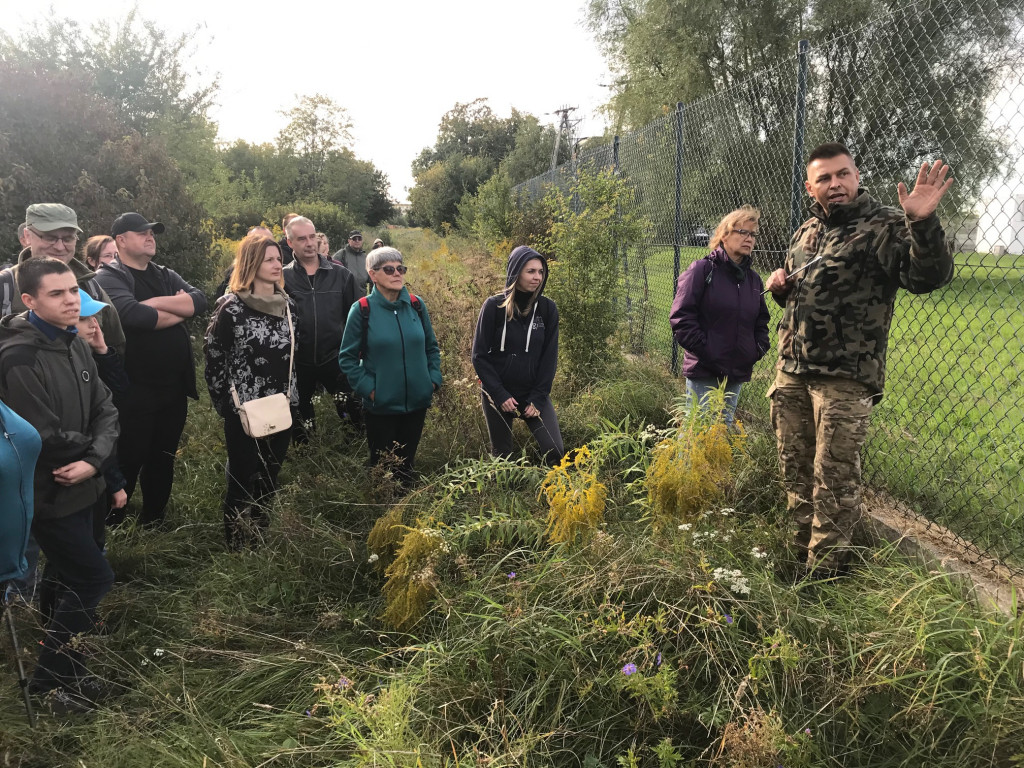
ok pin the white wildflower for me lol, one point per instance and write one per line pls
(733, 579)
(373, 558)
(157, 653)
(685, 526)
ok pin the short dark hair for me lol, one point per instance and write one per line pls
(827, 151)
(32, 272)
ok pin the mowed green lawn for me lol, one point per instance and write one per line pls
(947, 436)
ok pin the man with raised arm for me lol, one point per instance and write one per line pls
(834, 334)
(153, 302)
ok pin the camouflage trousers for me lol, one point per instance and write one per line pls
(820, 425)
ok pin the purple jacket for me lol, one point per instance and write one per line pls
(720, 318)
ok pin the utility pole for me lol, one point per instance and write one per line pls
(566, 127)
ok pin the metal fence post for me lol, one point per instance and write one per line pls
(799, 128)
(624, 246)
(679, 219)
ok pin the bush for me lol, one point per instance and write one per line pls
(589, 222)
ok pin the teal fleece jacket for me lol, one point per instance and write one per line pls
(402, 367)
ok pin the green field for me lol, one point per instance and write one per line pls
(946, 438)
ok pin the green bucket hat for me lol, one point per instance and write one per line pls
(46, 217)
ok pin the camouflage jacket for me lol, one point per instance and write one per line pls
(837, 315)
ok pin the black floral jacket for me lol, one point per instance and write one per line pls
(249, 349)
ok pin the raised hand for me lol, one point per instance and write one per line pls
(929, 188)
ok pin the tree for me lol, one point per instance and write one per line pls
(102, 169)
(317, 126)
(472, 142)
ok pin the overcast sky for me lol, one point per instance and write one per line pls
(397, 66)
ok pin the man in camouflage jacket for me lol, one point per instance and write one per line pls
(834, 334)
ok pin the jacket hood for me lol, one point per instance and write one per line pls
(516, 261)
(16, 330)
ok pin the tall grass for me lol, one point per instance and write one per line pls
(622, 648)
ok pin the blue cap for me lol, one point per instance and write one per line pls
(89, 305)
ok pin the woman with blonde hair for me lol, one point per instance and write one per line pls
(515, 354)
(249, 346)
(719, 316)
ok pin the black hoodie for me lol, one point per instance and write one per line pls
(517, 358)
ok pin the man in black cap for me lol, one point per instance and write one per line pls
(153, 302)
(353, 259)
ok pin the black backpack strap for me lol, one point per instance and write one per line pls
(710, 270)
(364, 310)
(7, 278)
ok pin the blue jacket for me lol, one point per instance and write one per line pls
(720, 318)
(402, 366)
(19, 450)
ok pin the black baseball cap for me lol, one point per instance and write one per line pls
(134, 222)
(354, 233)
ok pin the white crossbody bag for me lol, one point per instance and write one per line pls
(271, 414)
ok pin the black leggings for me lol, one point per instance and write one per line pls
(396, 433)
(252, 469)
(544, 428)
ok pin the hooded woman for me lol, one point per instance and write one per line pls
(515, 354)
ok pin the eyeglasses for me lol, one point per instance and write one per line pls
(747, 233)
(390, 269)
(49, 239)
(355, 238)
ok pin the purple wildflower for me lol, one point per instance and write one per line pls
(657, 661)
(343, 683)
(309, 713)
(728, 619)
(511, 574)
(629, 669)
(807, 731)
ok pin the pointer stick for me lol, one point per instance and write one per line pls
(798, 271)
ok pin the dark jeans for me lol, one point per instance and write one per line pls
(151, 425)
(544, 428)
(398, 434)
(252, 470)
(75, 579)
(308, 378)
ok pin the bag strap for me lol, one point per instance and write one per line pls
(291, 359)
(7, 276)
(364, 310)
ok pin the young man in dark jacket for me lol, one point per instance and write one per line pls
(48, 376)
(323, 292)
(153, 303)
(834, 334)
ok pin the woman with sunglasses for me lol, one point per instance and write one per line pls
(719, 316)
(390, 355)
(515, 354)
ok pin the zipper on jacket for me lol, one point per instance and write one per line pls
(78, 383)
(316, 330)
(405, 369)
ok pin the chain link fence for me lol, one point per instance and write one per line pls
(931, 80)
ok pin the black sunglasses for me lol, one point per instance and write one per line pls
(390, 269)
